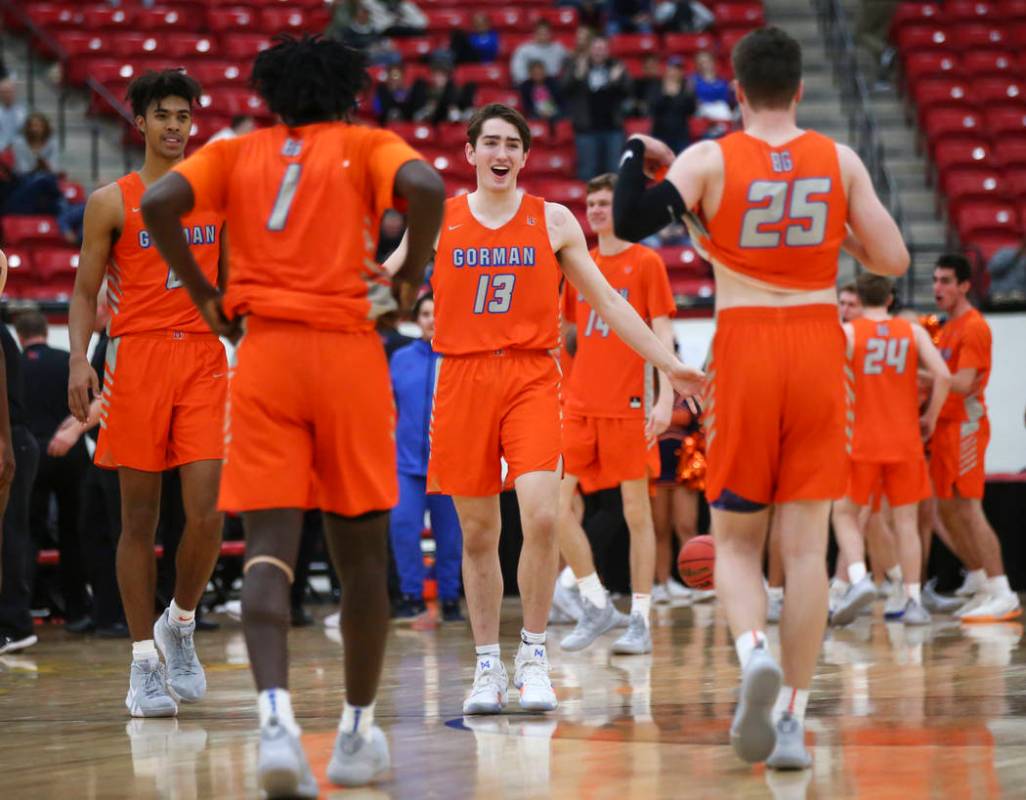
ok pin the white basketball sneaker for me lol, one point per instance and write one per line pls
(490, 689)
(531, 677)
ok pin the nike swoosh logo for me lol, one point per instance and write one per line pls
(136, 210)
(625, 156)
(218, 375)
(454, 227)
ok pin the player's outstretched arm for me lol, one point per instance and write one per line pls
(163, 206)
(104, 213)
(569, 245)
(422, 187)
(875, 239)
(931, 359)
(639, 212)
(662, 412)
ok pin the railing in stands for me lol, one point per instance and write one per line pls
(39, 39)
(862, 126)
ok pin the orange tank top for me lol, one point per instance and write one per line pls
(143, 293)
(885, 363)
(783, 213)
(495, 288)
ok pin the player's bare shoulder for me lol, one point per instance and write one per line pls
(106, 207)
(560, 224)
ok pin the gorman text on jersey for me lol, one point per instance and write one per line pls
(493, 257)
(194, 235)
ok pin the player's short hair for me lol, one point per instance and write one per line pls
(873, 290)
(849, 288)
(420, 301)
(606, 180)
(154, 86)
(768, 66)
(30, 324)
(498, 111)
(310, 79)
(958, 263)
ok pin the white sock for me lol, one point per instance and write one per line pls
(894, 573)
(746, 643)
(277, 703)
(998, 586)
(913, 591)
(775, 592)
(793, 701)
(976, 579)
(357, 719)
(856, 572)
(592, 589)
(641, 604)
(567, 578)
(528, 638)
(487, 656)
(179, 616)
(145, 650)
(842, 585)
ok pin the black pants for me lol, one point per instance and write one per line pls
(16, 591)
(62, 478)
(100, 525)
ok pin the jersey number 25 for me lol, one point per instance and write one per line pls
(809, 217)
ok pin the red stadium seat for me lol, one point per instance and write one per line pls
(684, 262)
(568, 192)
(552, 162)
(449, 163)
(30, 230)
(230, 19)
(230, 100)
(1011, 151)
(633, 44)
(986, 217)
(637, 125)
(914, 14)
(108, 19)
(496, 94)
(53, 16)
(989, 92)
(444, 21)
(962, 11)
(988, 244)
(278, 20)
(244, 46)
(940, 93)
(738, 15)
(415, 133)
(72, 192)
(20, 265)
(510, 19)
(687, 43)
(965, 152)
(1010, 11)
(988, 63)
(451, 134)
(413, 47)
(728, 39)
(971, 184)
(76, 44)
(173, 44)
(943, 123)
(54, 263)
(205, 125)
(559, 18)
(166, 18)
(916, 38)
(919, 66)
(483, 74)
(979, 37)
(212, 73)
(1015, 182)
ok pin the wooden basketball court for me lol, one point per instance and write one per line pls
(895, 713)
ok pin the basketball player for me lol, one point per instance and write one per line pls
(887, 447)
(959, 445)
(848, 305)
(500, 258)
(162, 403)
(311, 421)
(609, 423)
(772, 206)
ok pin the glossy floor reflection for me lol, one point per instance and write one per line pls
(895, 713)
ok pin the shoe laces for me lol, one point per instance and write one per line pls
(490, 679)
(155, 682)
(534, 673)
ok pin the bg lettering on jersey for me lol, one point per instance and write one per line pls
(194, 235)
(493, 257)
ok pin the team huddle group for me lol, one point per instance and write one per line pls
(306, 419)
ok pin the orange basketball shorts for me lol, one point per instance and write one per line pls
(491, 406)
(901, 483)
(311, 422)
(162, 403)
(957, 452)
(603, 452)
(775, 407)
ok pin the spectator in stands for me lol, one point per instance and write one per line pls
(438, 98)
(19, 456)
(713, 96)
(595, 88)
(647, 86)
(682, 16)
(12, 113)
(671, 106)
(630, 16)
(541, 48)
(240, 125)
(479, 45)
(872, 30)
(413, 370)
(351, 24)
(539, 94)
(392, 98)
(36, 169)
(396, 17)
(45, 375)
(591, 14)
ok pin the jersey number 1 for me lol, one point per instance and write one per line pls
(286, 194)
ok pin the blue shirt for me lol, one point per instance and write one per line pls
(712, 91)
(413, 383)
(486, 45)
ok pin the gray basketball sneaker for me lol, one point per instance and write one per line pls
(147, 690)
(356, 761)
(789, 752)
(566, 605)
(637, 640)
(185, 677)
(858, 597)
(490, 690)
(938, 603)
(281, 764)
(915, 614)
(593, 623)
(752, 733)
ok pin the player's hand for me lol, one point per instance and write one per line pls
(213, 312)
(83, 386)
(65, 437)
(657, 154)
(688, 382)
(658, 421)
(6, 463)
(926, 427)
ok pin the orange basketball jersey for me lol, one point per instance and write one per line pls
(495, 288)
(143, 293)
(965, 343)
(884, 360)
(782, 216)
(303, 207)
(612, 380)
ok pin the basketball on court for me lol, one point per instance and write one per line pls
(695, 562)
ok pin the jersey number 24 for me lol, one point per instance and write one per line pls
(884, 353)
